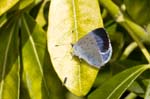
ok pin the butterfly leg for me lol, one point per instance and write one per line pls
(72, 44)
(65, 80)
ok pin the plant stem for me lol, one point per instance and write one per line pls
(140, 44)
(128, 50)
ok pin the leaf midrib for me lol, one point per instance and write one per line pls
(124, 82)
(36, 54)
(74, 5)
(5, 59)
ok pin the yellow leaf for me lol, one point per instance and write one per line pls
(69, 20)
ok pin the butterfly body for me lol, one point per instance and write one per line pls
(94, 48)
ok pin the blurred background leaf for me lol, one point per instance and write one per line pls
(138, 11)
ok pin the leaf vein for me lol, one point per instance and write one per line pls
(123, 83)
(5, 60)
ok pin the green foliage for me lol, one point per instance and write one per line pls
(26, 71)
(118, 83)
(140, 10)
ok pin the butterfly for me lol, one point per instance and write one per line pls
(94, 48)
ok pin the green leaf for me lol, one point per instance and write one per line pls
(33, 54)
(69, 20)
(25, 3)
(147, 95)
(40, 19)
(5, 5)
(39, 79)
(3, 20)
(9, 61)
(137, 88)
(114, 87)
(103, 76)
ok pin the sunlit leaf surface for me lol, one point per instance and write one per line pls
(5, 5)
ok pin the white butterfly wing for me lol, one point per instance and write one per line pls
(103, 44)
(86, 49)
(94, 48)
